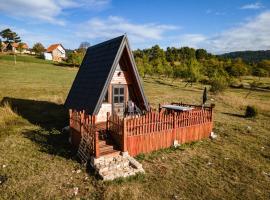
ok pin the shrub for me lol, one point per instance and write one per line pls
(219, 84)
(251, 111)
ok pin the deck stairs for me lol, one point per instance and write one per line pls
(106, 145)
(84, 151)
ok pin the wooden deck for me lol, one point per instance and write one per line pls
(141, 134)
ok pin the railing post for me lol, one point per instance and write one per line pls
(96, 144)
(81, 123)
(107, 122)
(174, 125)
(70, 119)
(124, 142)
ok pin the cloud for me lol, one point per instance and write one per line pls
(209, 11)
(252, 35)
(113, 26)
(45, 10)
(190, 40)
(253, 6)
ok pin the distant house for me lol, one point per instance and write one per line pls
(14, 48)
(55, 52)
(3, 46)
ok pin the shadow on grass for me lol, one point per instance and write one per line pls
(64, 64)
(234, 114)
(50, 117)
(164, 83)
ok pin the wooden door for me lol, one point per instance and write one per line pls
(118, 100)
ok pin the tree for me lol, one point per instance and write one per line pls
(193, 72)
(38, 48)
(237, 68)
(219, 81)
(75, 58)
(1, 45)
(84, 45)
(11, 37)
(265, 66)
(201, 54)
(168, 69)
(148, 69)
(20, 47)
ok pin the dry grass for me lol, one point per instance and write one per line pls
(36, 161)
(7, 115)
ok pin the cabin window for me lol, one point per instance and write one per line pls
(118, 96)
(106, 98)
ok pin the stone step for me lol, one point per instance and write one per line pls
(110, 168)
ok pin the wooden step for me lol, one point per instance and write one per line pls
(107, 141)
(110, 153)
(102, 142)
(105, 147)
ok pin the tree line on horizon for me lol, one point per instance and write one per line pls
(196, 65)
(189, 64)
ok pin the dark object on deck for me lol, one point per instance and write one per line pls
(131, 107)
(204, 95)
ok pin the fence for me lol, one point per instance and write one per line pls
(115, 127)
(143, 134)
(157, 130)
(84, 126)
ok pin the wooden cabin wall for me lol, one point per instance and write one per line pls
(119, 77)
(102, 114)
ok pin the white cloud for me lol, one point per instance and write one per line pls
(252, 35)
(209, 11)
(113, 26)
(45, 10)
(190, 40)
(252, 6)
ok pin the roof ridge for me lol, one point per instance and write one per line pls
(107, 41)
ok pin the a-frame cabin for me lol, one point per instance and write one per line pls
(107, 81)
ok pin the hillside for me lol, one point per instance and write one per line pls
(249, 56)
(36, 160)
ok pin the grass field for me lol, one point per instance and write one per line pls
(36, 161)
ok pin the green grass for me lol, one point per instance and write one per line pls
(24, 58)
(39, 164)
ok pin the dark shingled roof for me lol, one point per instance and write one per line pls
(93, 77)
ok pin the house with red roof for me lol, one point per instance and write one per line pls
(14, 47)
(55, 52)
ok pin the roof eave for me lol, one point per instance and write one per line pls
(137, 75)
(104, 89)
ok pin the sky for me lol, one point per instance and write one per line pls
(218, 26)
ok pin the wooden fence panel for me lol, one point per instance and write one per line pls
(155, 130)
(81, 125)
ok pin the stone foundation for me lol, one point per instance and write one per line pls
(110, 168)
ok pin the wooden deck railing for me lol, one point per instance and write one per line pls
(83, 125)
(157, 130)
(155, 121)
(142, 134)
(115, 127)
